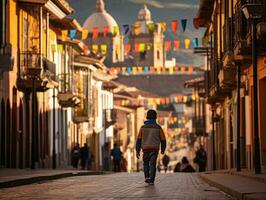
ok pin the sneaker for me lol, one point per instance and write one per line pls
(151, 183)
(147, 180)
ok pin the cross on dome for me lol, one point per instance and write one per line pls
(144, 14)
(100, 7)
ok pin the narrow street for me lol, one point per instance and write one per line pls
(118, 186)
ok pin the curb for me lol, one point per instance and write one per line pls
(227, 190)
(36, 179)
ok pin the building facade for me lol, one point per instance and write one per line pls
(229, 83)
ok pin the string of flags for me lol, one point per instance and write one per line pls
(135, 29)
(150, 70)
(142, 47)
(156, 101)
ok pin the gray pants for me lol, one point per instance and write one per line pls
(149, 159)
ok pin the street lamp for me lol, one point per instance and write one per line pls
(253, 12)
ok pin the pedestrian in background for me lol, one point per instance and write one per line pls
(186, 167)
(150, 137)
(75, 156)
(117, 155)
(89, 159)
(83, 155)
(201, 159)
(177, 167)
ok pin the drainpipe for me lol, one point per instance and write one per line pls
(238, 165)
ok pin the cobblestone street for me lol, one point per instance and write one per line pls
(118, 186)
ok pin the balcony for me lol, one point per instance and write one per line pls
(198, 124)
(242, 50)
(33, 66)
(6, 58)
(228, 31)
(110, 117)
(66, 91)
(227, 79)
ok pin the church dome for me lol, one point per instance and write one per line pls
(101, 18)
(144, 19)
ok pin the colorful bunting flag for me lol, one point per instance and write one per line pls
(167, 45)
(53, 47)
(95, 48)
(151, 27)
(115, 30)
(171, 70)
(127, 48)
(105, 31)
(72, 33)
(136, 47)
(196, 23)
(195, 42)
(190, 70)
(95, 33)
(85, 48)
(174, 25)
(176, 44)
(84, 34)
(60, 48)
(146, 69)
(187, 43)
(126, 28)
(64, 35)
(141, 47)
(104, 49)
(184, 24)
(163, 26)
(136, 29)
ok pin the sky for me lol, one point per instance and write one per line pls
(126, 11)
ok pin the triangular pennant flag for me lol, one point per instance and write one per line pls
(84, 34)
(182, 70)
(141, 47)
(136, 47)
(158, 70)
(115, 30)
(128, 70)
(127, 48)
(163, 26)
(105, 31)
(85, 48)
(118, 70)
(171, 70)
(134, 70)
(152, 70)
(126, 28)
(195, 42)
(53, 47)
(60, 48)
(72, 33)
(64, 34)
(174, 25)
(95, 48)
(187, 43)
(151, 27)
(149, 46)
(184, 24)
(146, 70)
(95, 32)
(167, 45)
(196, 23)
(190, 70)
(104, 49)
(177, 44)
(140, 69)
(136, 29)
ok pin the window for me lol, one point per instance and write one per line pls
(158, 55)
(25, 34)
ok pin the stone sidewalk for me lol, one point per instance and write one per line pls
(241, 185)
(18, 177)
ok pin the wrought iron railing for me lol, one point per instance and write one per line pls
(67, 83)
